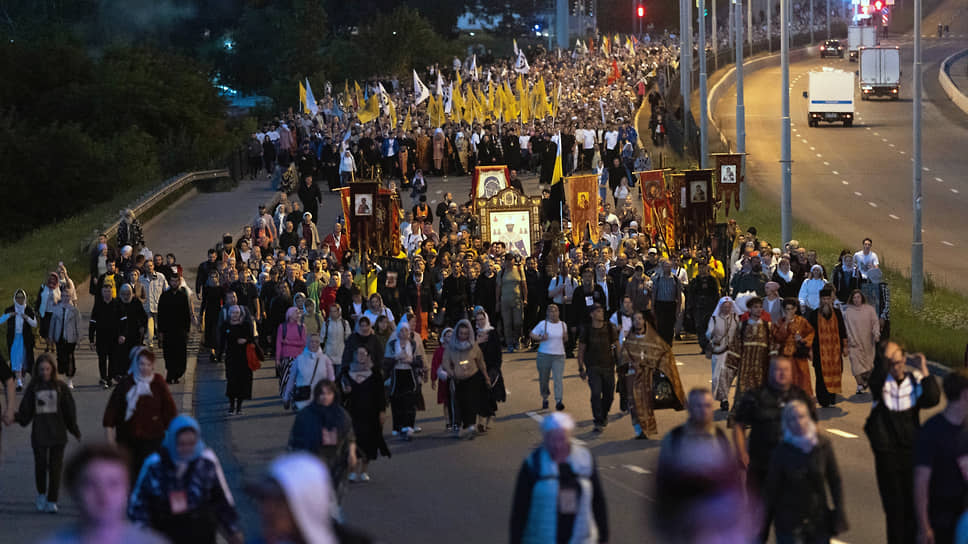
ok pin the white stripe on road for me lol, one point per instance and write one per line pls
(842, 434)
(858, 193)
(939, 180)
(836, 173)
(947, 243)
(955, 191)
(636, 469)
(894, 217)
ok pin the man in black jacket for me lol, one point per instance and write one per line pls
(102, 333)
(310, 196)
(174, 324)
(204, 270)
(899, 393)
(761, 410)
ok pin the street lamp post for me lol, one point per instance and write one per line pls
(811, 21)
(786, 202)
(703, 114)
(917, 245)
(740, 105)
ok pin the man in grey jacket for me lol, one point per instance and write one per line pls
(154, 284)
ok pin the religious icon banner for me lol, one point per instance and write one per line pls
(583, 202)
(729, 175)
(658, 209)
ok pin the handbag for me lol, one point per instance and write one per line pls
(303, 392)
(664, 396)
(253, 356)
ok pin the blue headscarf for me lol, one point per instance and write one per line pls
(170, 443)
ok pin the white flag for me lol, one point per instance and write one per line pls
(515, 47)
(310, 99)
(384, 100)
(473, 68)
(448, 98)
(420, 91)
(440, 84)
(521, 65)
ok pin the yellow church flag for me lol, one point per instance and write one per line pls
(360, 101)
(302, 97)
(406, 122)
(372, 109)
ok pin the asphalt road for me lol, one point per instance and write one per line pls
(856, 182)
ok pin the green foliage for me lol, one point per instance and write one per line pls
(396, 42)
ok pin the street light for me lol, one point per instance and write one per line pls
(786, 202)
(740, 103)
(917, 244)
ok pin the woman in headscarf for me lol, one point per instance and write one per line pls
(65, 280)
(647, 353)
(20, 335)
(290, 341)
(383, 330)
(721, 331)
(403, 365)
(238, 376)
(490, 346)
(279, 218)
(49, 405)
(324, 428)
(464, 365)
(863, 333)
(793, 337)
(140, 409)
(810, 289)
(65, 331)
(551, 335)
(438, 380)
(788, 281)
(802, 470)
(311, 367)
(47, 297)
(181, 491)
(132, 325)
(365, 400)
(296, 504)
(336, 331)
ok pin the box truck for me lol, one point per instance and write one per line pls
(830, 97)
(880, 72)
(860, 36)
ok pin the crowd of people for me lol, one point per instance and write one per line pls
(352, 336)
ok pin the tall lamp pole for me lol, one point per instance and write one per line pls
(786, 202)
(917, 245)
(740, 103)
(703, 114)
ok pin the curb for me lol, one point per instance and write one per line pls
(954, 93)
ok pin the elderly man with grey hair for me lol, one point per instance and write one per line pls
(558, 491)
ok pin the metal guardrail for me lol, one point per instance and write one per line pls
(166, 189)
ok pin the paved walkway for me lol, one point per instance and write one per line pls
(959, 74)
(187, 229)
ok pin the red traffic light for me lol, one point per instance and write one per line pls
(640, 11)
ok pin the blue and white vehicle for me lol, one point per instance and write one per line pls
(830, 97)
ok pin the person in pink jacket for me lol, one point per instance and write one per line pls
(290, 341)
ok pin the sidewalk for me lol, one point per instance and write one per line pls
(188, 228)
(959, 74)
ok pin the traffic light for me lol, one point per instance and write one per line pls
(640, 11)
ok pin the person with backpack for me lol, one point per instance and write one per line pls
(558, 496)
(596, 363)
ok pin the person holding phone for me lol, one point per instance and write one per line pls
(901, 386)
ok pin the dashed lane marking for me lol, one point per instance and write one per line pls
(894, 217)
(872, 204)
(955, 191)
(844, 181)
(636, 469)
(858, 193)
(947, 243)
(825, 163)
(842, 434)
(813, 148)
(891, 145)
(836, 173)
(884, 140)
(819, 156)
(939, 180)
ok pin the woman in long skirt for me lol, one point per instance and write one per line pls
(238, 375)
(464, 365)
(211, 304)
(365, 400)
(721, 331)
(441, 384)
(490, 346)
(403, 363)
(20, 335)
(863, 333)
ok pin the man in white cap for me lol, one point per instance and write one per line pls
(558, 496)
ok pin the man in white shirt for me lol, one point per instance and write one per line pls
(587, 141)
(866, 259)
(611, 144)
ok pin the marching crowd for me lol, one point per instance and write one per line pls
(352, 336)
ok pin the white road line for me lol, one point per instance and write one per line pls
(844, 181)
(858, 193)
(872, 204)
(925, 168)
(884, 140)
(842, 434)
(813, 148)
(803, 140)
(939, 180)
(835, 541)
(955, 191)
(902, 152)
(868, 128)
(894, 217)
(819, 155)
(947, 243)
(636, 469)
(825, 163)
(891, 145)
(836, 173)
(877, 134)
(438, 192)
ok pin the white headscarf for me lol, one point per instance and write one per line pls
(806, 441)
(722, 301)
(142, 385)
(306, 483)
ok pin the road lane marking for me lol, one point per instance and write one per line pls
(894, 217)
(872, 204)
(836, 173)
(877, 134)
(925, 168)
(819, 156)
(813, 148)
(844, 181)
(803, 140)
(868, 128)
(842, 434)
(825, 163)
(902, 152)
(947, 243)
(636, 469)
(884, 140)
(891, 145)
(858, 193)
(955, 191)
(939, 180)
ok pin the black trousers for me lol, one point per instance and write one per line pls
(48, 465)
(665, 320)
(895, 482)
(601, 381)
(65, 359)
(175, 349)
(403, 402)
(105, 356)
(623, 391)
